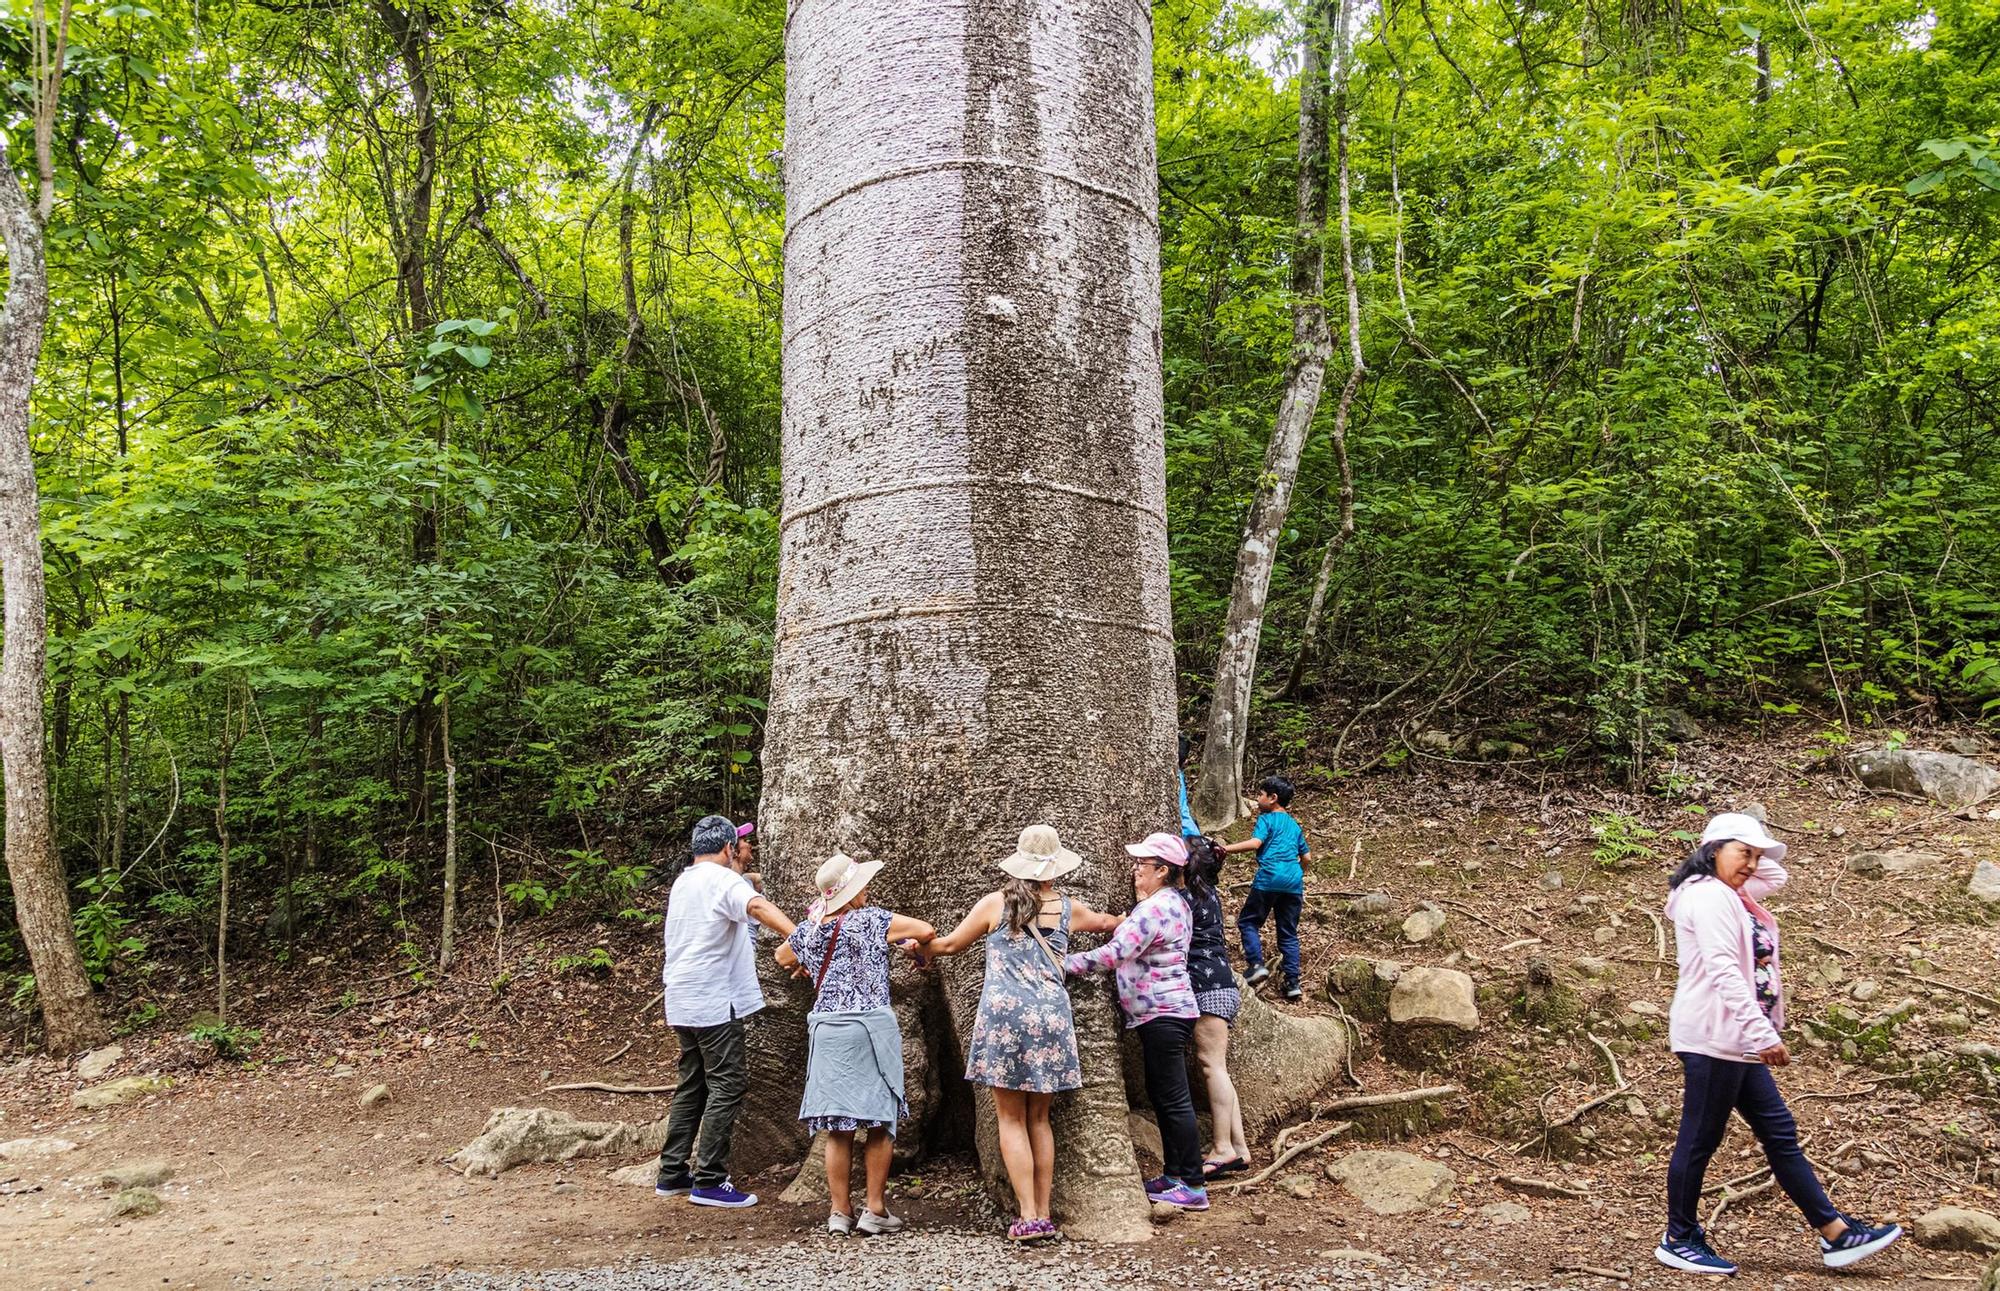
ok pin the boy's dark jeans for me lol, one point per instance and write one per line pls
(708, 1097)
(1716, 1087)
(1163, 1045)
(1286, 906)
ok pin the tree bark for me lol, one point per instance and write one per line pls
(448, 922)
(1218, 793)
(70, 1020)
(973, 628)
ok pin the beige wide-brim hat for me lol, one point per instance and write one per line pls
(1039, 856)
(841, 878)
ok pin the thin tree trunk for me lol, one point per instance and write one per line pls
(613, 434)
(973, 627)
(1218, 793)
(222, 845)
(70, 1019)
(1309, 634)
(448, 924)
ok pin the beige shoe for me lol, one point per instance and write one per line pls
(839, 1225)
(875, 1225)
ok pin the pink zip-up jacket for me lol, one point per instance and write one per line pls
(1715, 1002)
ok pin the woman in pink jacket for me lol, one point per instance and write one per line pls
(1723, 1027)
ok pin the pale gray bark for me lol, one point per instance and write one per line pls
(1218, 793)
(70, 1019)
(973, 625)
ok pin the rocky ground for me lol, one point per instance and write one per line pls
(1488, 928)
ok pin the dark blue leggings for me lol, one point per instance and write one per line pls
(1715, 1088)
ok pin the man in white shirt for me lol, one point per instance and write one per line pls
(710, 976)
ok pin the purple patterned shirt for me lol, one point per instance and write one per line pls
(1149, 950)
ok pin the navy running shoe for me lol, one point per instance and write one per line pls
(1693, 1256)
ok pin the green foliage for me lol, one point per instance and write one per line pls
(228, 1040)
(595, 962)
(1620, 840)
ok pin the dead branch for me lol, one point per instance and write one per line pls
(1541, 1187)
(1659, 943)
(1727, 1184)
(610, 1089)
(1729, 1195)
(1968, 993)
(1289, 1155)
(1617, 1076)
(1616, 1275)
(623, 1049)
(1359, 1101)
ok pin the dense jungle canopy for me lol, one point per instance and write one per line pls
(411, 398)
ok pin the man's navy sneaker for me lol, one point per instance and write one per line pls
(1693, 1256)
(672, 1185)
(1860, 1241)
(1256, 975)
(724, 1194)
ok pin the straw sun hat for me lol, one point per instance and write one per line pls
(840, 879)
(1039, 856)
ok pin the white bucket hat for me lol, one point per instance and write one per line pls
(840, 879)
(1039, 856)
(1744, 829)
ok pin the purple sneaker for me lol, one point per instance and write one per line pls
(1158, 1185)
(724, 1194)
(1184, 1197)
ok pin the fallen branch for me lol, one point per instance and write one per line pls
(1616, 1275)
(1841, 1093)
(1617, 1076)
(647, 1007)
(1359, 1101)
(1516, 945)
(611, 1089)
(1730, 1194)
(623, 1049)
(1727, 1184)
(1967, 992)
(1585, 1110)
(1541, 1187)
(1659, 943)
(1287, 1156)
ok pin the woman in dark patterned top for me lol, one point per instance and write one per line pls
(854, 1061)
(1217, 996)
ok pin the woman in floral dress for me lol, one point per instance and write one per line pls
(1023, 1044)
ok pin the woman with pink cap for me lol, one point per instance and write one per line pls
(1724, 1027)
(1149, 954)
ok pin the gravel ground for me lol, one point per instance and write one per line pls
(948, 1261)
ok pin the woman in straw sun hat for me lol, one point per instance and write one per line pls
(1023, 1044)
(854, 1058)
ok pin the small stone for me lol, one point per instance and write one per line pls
(1507, 1212)
(1351, 1255)
(1260, 1217)
(1604, 936)
(1299, 1186)
(1864, 989)
(1552, 881)
(136, 1174)
(133, 1203)
(1985, 882)
(1635, 1107)
(33, 1149)
(1954, 1023)
(118, 1092)
(1161, 1213)
(1423, 925)
(374, 1094)
(1372, 905)
(642, 1175)
(1954, 1228)
(94, 1064)
(1591, 966)
(565, 1186)
(1644, 1008)
(1756, 811)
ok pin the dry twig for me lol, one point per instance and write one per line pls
(1616, 1275)
(611, 1089)
(1541, 1187)
(1732, 1194)
(1968, 993)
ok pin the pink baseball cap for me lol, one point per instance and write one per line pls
(1162, 847)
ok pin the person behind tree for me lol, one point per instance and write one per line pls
(1279, 887)
(1149, 954)
(1729, 1004)
(1023, 1044)
(854, 1046)
(710, 985)
(1218, 999)
(1188, 828)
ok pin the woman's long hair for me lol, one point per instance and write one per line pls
(1700, 863)
(1022, 901)
(1204, 867)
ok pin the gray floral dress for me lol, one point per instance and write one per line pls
(1023, 1037)
(857, 979)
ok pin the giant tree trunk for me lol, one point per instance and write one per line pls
(41, 898)
(1218, 793)
(973, 625)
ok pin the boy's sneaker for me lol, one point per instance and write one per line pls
(1256, 976)
(1184, 1197)
(1293, 993)
(724, 1194)
(1860, 1241)
(1693, 1255)
(672, 1185)
(839, 1225)
(875, 1225)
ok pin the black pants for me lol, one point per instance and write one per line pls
(1715, 1088)
(1250, 926)
(708, 1097)
(1164, 1044)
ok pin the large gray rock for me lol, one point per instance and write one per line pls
(1947, 778)
(1985, 882)
(1678, 726)
(1434, 997)
(1896, 863)
(150, 1173)
(1953, 1228)
(115, 1093)
(1423, 924)
(94, 1064)
(520, 1135)
(133, 1203)
(1393, 1183)
(642, 1174)
(34, 1149)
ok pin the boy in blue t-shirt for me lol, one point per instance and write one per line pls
(1280, 886)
